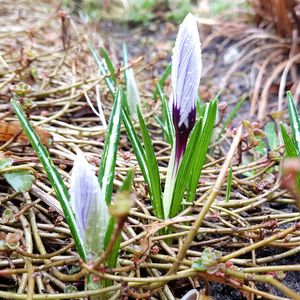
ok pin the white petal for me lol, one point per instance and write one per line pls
(88, 203)
(186, 67)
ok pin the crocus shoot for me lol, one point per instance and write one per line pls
(185, 77)
(91, 213)
(89, 206)
(188, 137)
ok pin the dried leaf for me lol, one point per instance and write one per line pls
(9, 130)
(146, 243)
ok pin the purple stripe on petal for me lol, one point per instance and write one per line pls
(84, 191)
(186, 73)
(182, 132)
(186, 69)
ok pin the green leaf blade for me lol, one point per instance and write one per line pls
(200, 151)
(294, 120)
(229, 184)
(152, 166)
(166, 116)
(103, 70)
(132, 93)
(290, 148)
(53, 175)
(136, 144)
(109, 65)
(184, 171)
(113, 257)
(162, 81)
(127, 183)
(108, 161)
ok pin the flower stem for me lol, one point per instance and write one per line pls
(214, 192)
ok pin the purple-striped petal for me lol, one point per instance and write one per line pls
(86, 196)
(186, 73)
(182, 132)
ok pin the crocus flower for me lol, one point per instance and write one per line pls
(185, 76)
(89, 206)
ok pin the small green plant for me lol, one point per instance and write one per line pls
(189, 138)
(53, 175)
(86, 206)
(209, 260)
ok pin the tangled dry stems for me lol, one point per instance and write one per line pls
(43, 263)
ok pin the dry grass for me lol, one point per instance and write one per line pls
(267, 56)
(283, 15)
(255, 217)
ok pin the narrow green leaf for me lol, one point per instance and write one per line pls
(295, 121)
(112, 259)
(229, 184)
(132, 92)
(108, 161)
(21, 181)
(199, 153)
(109, 64)
(162, 126)
(199, 107)
(109, 153)
(127, 183)
(53, 175)
(103, 70)
(290, 148)
(183, 174)
(136, 144)
(205, 109)
(167, 119)
(152, 166)
(162, 81)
